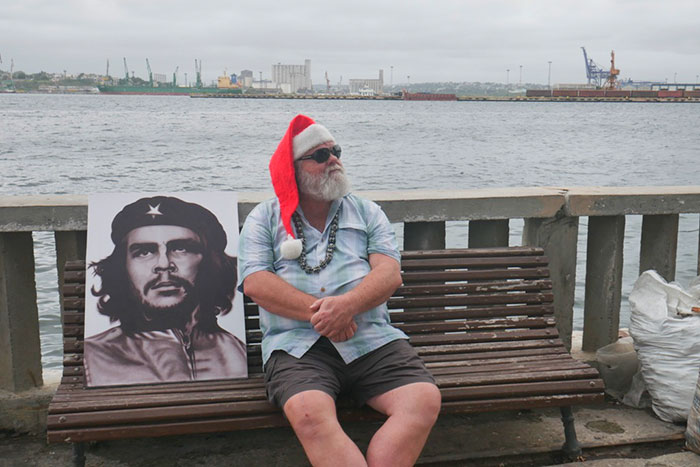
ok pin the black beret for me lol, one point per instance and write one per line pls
(166, 210)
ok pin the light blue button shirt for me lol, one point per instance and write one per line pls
(363, 228)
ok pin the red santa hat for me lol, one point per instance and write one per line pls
(302, 135)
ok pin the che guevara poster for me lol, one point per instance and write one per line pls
(161, 303)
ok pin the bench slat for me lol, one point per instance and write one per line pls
(516, 377)
(162, 414)
(448, 349)
(474, 275)
(484, 287)
(520, 403)
(271, 420)
(509, 367)
(253, 381)
(494, 336)
(470, 312)
(471, 325)
(472, 252)
(521, 390)
(459, 362)
(472, 262)
(460, 300)
(519, 353)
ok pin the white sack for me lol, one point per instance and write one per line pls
(668, 346)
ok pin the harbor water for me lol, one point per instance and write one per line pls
(79, 144)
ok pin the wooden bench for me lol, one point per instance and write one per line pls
(482, 320)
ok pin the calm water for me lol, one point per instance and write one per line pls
(57, 144)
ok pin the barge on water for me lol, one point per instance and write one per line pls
(427, 96)
(614, 93)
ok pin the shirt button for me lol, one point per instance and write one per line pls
(323, 289)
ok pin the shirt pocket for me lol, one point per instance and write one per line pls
(352, 238)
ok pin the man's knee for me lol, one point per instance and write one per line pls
(421, 403)
(418, 402)
(428, 401)
(310, 412)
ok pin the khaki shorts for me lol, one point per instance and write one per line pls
(321, 368)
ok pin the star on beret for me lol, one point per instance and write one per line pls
(154, 211)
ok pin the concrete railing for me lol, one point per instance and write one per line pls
(551, 220)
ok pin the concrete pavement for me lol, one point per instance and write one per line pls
(611, 435)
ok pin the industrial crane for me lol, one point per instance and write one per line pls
(611, 82)
(150, 74)
(126, 72)
(594, 73)
(175, 76)
(328, 83)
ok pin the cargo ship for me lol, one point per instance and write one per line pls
(224, 86)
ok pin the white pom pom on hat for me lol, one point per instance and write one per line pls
(291, 248)
(303, 134)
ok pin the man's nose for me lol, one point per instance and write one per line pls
(164, 263)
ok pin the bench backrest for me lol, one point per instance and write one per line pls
(459, 301)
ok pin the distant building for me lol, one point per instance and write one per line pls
(292, 78)
(363, 86)
(160, 78)
(246, 78)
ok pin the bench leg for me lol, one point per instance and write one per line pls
(79, 454)
(571, 447)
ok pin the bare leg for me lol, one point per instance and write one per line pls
(313, 417)
(412, 412)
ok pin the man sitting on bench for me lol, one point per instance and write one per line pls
(323, 313)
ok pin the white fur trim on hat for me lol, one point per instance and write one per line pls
(309, 138)
(291, 248)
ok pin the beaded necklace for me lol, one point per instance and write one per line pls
(329, 250)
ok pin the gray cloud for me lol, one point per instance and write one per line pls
(440, 40)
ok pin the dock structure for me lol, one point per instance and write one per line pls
(551, 220)
(544, 96)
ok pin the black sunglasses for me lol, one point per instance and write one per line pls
(323, 154)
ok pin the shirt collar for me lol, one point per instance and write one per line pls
(335, 205)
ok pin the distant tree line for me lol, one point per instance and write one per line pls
(32, 81)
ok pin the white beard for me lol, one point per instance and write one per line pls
(332, 184)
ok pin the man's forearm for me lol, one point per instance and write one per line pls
(277, 296)
(377, 286)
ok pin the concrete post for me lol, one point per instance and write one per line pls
(69, 246)
(424, 236)
(659, 245)
(601, 320)
(559, 237)
(484, 234)
(20, 350)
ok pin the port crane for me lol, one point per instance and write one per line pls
(150, 74)
(611, 82)
(126, 72)
(328, 83)
(175, 76)
(594, 73)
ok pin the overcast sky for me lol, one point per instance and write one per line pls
(438, 40)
